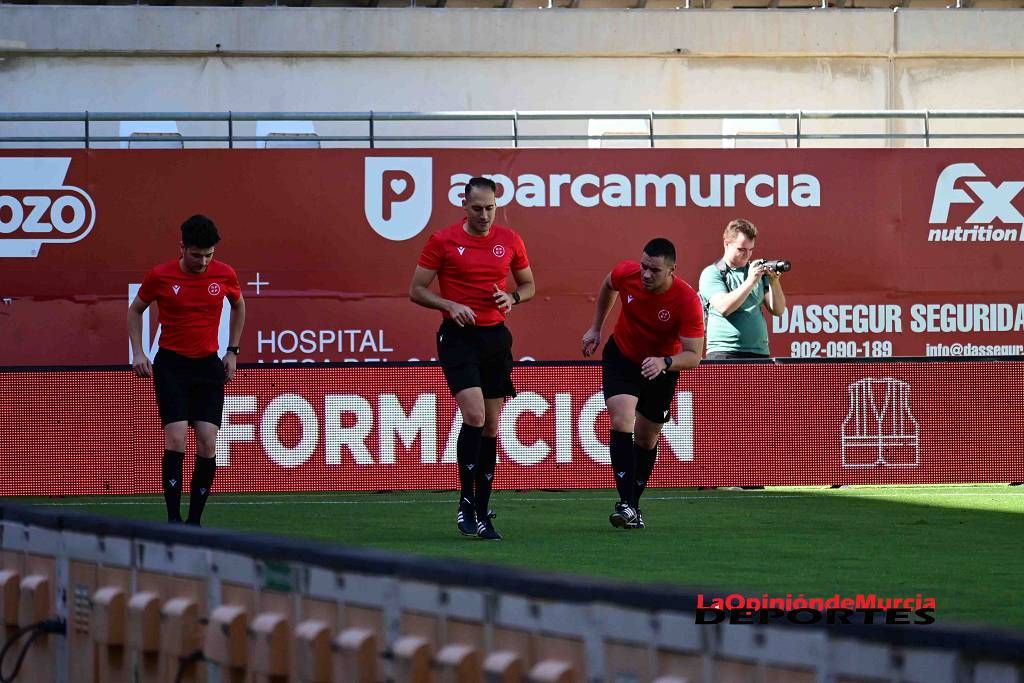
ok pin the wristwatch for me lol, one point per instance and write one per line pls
(233, 349)
(515, 297)
(668, 362)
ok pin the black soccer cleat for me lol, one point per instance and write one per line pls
(486, 531)
(466, 520)
(639, 523)
(624, 516)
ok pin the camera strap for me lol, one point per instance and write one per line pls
(706, 302)
(722, 269)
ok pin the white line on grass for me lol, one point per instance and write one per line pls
(391, 500)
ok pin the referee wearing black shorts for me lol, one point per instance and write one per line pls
(188, 375)
(471, 261)
(660, 331)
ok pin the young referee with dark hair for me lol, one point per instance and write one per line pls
(471, 261)
(660, 331)
(187, 374)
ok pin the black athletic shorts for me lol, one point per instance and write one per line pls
(474, 356)
(620, 375)
(188, 389)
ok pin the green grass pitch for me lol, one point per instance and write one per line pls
(958, 544)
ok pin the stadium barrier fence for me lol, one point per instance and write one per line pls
(96, 599)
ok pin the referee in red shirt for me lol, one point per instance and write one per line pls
(187, 374)
(471, 261)
(660, 331)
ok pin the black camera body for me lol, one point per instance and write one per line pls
(775, 266)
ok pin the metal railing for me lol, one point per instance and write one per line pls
(509, 132)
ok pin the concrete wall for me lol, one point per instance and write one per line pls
(68, 58)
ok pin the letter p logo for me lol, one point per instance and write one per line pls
(398, 195)
(398, 186)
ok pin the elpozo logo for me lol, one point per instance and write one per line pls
(398, 191)
(36, 206)
(993, 211)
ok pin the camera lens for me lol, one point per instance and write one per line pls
(778, 266)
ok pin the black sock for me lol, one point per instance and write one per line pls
(170, 472)
(468, 454)
(199, 489)
(623, 464)
(645, 458)
(485, 474)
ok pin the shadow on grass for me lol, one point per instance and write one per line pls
(814, 543)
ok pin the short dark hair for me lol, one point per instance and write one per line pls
(199, 231)
(482, 184)
(660, 246)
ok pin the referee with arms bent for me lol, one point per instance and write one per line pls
(660, 331)
(187, 374)
(471, 261)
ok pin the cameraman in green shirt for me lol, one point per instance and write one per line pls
(733, 291)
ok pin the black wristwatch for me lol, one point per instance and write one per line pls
(515, 297)
(668, 362)
(233, 349)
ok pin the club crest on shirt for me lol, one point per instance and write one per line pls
(498, 250)
(213, 289)
(664, 315)
(176, 289)
(461, 249)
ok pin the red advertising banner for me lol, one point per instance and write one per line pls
(392, 427)
(894, 252)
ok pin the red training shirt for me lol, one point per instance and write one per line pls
(468, 267)
(651, 324)
(190, 304)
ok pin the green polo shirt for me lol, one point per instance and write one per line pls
(745, 328)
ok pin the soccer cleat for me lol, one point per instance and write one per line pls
(486, 531)
(466, 520)
(639, 523)
(624, 516)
